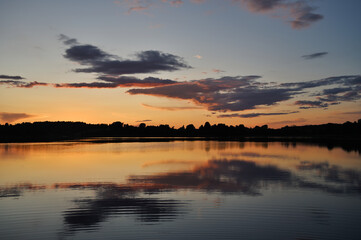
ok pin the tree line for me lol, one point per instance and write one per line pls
(61, 130)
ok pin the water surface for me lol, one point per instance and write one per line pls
(178, 190)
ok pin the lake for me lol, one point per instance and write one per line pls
(179, 190)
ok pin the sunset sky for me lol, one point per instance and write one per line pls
(251, 62)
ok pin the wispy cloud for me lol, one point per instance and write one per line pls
(353, 113)
(298, 13)
(253, 115)
(22, 84)
(314, 55)
(176, 2)
(135, 5)
(294, 121)
(172, 108)
(145, 120)
(12, 117)
(116, 82)
(305, 104)
(217, 70)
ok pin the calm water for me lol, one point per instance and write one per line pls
(179, 190)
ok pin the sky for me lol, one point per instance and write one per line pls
(176, 62)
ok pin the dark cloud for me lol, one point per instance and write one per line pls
(252, 115)
(115, 82)
(227, 93)
(348, 80)
(86, 54)
(314, 55)
(348, 96)
(298, 13)
(336, 90)
(242, 93)
(98, 61)
(11, 77)
(22, 84)
(7, 117)
(305, 104)
(149, 81)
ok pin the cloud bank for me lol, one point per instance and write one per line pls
(247, 92)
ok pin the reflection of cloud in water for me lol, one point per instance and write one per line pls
(18, 189)
(142, 196)
(258, 155)
(333, 178)
(220, 175)
(168, 162)
(112, 201)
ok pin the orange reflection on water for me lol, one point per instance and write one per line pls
(66, 162)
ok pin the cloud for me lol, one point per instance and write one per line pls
(177, 108)
(22, 84)
(253, 115)
(115, 82)
(217, 70)
(12, 117)
(135, 5)
(146, 120)
(198, 56)
(298, 13)
(347, 80)
(294, 121)
(98, 61)
(352, 113)
(243, 93)
(67, 40)
(176, 2)
(197, 1)
(11, 77)
(305, 104)
(315, 55)
(223, 94)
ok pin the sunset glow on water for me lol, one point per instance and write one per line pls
(197, 189)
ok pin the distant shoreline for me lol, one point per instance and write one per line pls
(348, 133)
(346, 143)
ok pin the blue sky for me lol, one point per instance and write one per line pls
(215, 38)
